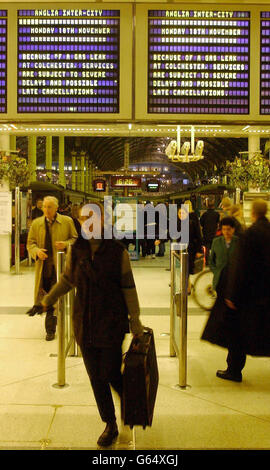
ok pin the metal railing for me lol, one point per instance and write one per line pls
(178, 310)
(67, 345)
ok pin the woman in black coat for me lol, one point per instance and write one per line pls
(221, 325)
(249, 289)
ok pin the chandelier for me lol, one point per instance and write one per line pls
(176, 153)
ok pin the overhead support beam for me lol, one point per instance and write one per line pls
(48, 163)
(32, 156)
(62, 178)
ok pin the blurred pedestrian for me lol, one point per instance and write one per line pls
(209, 223)
(219, 328)
(37, 211)
(74, 214)
(235, 211)
(225, 205)
(195, 237)
(106, 303)
(248, 295)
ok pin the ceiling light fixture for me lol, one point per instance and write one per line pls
(176, 153)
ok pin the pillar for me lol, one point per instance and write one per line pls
(79, 174)
(32, 156)
(87, 176)
(48, 164)
(82, 171)
(253, 147)
(73, 170)
(90, 176)
(61, 166)
(5, 238)
(13, 145)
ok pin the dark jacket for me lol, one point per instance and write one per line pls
(101, 312)
(221, 325)
(249, 288)
(36, 212)
(195, 239)
(209, 222)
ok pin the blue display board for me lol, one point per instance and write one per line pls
(3, 61)
(265, 63)
(68, 61)
(198, 62)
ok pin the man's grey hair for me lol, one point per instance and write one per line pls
(52, 199)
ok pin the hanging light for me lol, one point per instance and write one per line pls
(177, 153)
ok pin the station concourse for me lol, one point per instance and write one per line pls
(138, 101)
(209, 414)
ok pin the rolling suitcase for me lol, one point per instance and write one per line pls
(140, 381)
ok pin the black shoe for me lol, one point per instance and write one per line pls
(108, 435)
(50, 336)
(227, 375)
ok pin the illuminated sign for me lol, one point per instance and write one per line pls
(68, 61)
(3, 61)
(99, 185)
(198, 62)
(125, 181)
(152, 186)
(265, 62)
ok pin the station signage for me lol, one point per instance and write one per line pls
(68, 61)
(152, 186)
(265, 63)
(125, 181)
(99, 185)
(3, 61)
(198, 62)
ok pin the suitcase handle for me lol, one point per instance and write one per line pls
(137, 343)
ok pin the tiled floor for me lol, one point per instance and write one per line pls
(209, 414)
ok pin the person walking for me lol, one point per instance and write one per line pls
(195, 238)
(209, 223)
(106, 304)
(235, 211)
(248, 295)
(37, 211)
(47, 235)
(219, 326)
(225, 205)
(74, 214)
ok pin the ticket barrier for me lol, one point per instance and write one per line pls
(178, 309)
(67, 345)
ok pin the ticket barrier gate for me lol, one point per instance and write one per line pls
(178, 309)
(67, 345)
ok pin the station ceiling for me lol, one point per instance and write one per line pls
(104, 143)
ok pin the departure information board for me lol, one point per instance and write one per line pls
(68, 61)
(198, 62)
(3, 61)
(265, 62)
